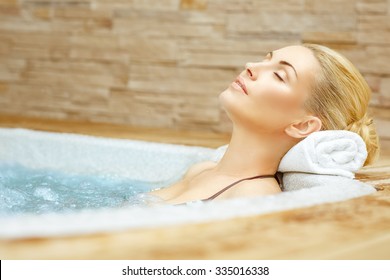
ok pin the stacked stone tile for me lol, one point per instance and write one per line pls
(164, 63)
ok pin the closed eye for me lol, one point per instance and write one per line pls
(278, 76)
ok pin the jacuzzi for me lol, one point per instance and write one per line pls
(156, 164)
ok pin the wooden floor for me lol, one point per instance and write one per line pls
(354, 229)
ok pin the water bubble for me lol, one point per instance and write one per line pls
(24, 190)
(46, 194)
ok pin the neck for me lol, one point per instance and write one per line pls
(251, 154)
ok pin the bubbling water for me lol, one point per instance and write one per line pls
(30, 191)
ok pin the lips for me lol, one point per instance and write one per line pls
(240, 81)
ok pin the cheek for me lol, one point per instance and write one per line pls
(271, 107)
(277, 107)
(279, 98)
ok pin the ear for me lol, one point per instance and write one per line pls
(304, 127)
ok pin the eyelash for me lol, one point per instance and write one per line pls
(278, 76)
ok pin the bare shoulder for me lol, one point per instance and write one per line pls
(198, 168)
(252, 188)
(179, 187)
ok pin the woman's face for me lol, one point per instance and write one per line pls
(269, 95)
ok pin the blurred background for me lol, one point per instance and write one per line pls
(163, 63)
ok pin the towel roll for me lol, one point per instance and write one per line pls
(328, 152)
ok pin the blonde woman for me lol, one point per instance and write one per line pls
(274, 104)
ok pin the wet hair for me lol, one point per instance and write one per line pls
(340, 97)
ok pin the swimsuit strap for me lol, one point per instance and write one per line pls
(239, 181)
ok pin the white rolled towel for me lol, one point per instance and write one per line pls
(329, 157)
(328, 152)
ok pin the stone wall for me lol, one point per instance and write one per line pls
(163, 63)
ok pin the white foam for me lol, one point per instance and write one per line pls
(139, 160)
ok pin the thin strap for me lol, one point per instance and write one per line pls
(239, 181)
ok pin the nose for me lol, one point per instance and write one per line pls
(251, 71)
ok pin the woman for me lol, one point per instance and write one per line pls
(273, 105)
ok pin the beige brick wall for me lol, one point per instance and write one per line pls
(163, 63)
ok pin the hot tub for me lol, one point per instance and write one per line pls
(153, 164)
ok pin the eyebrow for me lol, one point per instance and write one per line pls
(283, 62)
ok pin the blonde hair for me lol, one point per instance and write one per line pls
(340, 98)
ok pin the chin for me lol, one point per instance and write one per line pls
(225, 99)
(229, 103)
